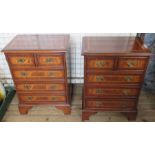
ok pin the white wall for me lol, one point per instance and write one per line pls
(76, 58)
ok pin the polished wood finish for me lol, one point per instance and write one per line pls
(38, 64)
(114, 69)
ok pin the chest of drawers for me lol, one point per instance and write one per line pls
(40, 69)
(114, 69)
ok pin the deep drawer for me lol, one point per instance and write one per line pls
(110, 103)
(104, 78)
(40, 86)
(102, 92)
(38, 74)
(41, 98)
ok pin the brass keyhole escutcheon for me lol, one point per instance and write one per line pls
(128, 78)
(99, 78)
(131, 64)
(100, 63)
(30, 98)
(23, 74)
(21, 60)
(49, 60)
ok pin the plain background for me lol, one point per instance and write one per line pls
(77, 16)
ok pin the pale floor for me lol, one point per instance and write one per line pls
(146, 111)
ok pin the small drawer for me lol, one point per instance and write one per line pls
(106, 92)
(132, 63)
(38, 74)
(21, 60)
(50, 60)
(99, 63)
(40, 86)
(110, 103)
(102, 78)
(41, 98)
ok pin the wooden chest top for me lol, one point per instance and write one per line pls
(38, 42)
(114, 46)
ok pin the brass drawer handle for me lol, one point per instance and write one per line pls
(21, 60)
(50, 74)
(53, 87)
(128, 78)
(24, 74)
(49, 60)
(99, 78)
(99, 91)
(53, 98)
(126, 92)
(27, 86)
(131, 64)
(100, 63)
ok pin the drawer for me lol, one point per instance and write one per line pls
(99, 63)
(40, 86)
(21, 60)
(110, 103)
(50, 60)
(132, 63)
(102, 78)
(38, 74)
(106, 92)
(41, 98)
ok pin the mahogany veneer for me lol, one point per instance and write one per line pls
(114, 69)
(38, 64)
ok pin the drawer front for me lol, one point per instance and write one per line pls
(41, 98)
(21, 60)
(40, 87)
(112, 92)
(100, 78)
(100, 63)
(50, 60)
(100, 103)
(38, 74)
(132, 63)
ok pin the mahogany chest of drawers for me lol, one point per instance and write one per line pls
(114, 69)
(38, 64)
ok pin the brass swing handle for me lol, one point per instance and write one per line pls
(27, 86)
(21, 60)
(49, 60)
(100, 91)
(99, 78)
(101, 63)
(131, 63)
(128, 78)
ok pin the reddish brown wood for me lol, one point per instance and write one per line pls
(86, 115)
(39, 70)
(23, 109)
(66, 109)
(114, 69)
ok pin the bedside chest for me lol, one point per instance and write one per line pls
(39, 67)
(114, 69)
